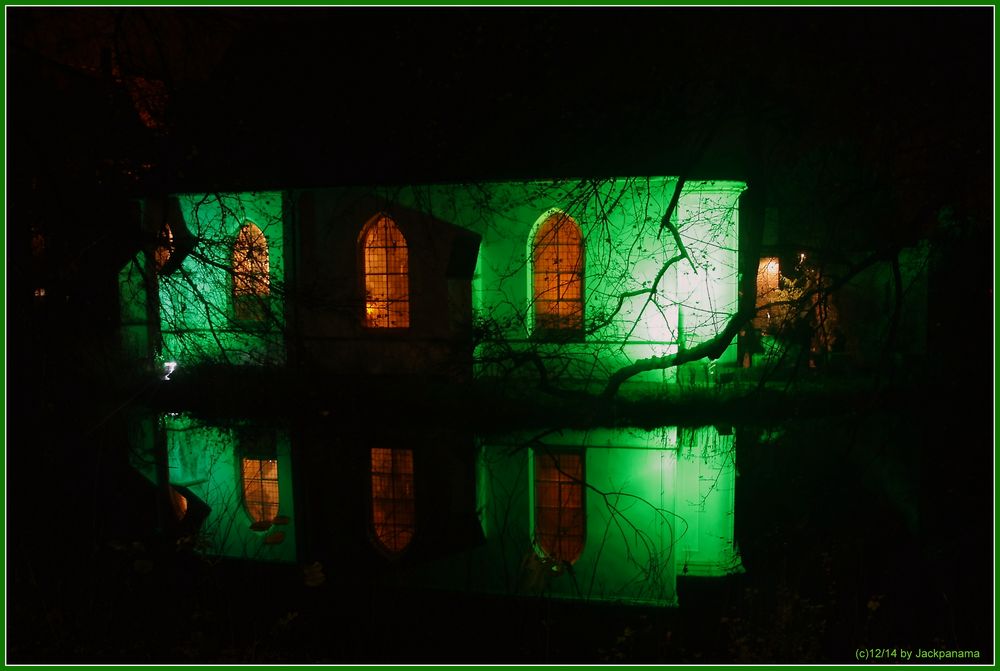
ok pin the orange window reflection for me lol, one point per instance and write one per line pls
(179, 503)
(260, 488)
(393, 502)
(559, 514)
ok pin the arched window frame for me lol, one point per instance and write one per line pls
(392, 499)
(541, 322)
(385, 276)
(559, 504)
(251, 280)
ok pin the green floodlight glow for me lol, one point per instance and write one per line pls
(633, 307)
(657, 505)
(647, 287)
(199, 319)
(202, 306)
(208, 461)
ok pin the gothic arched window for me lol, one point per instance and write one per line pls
(251, 274)
(387, 274)
(557, 274)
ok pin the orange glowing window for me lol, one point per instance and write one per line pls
(260, 488)
(559, 514)
(557, 274)
(251, 274)
(164, 247)
(387, 274)
(393, 504)
(768, 282)
(768, 274)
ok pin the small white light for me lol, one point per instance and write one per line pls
(168, 368)
(802, 257)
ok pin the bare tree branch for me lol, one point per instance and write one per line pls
(711, 349)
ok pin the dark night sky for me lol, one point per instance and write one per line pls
(434, 94)
(320, 96)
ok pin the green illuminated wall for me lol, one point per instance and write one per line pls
(674, 487)
(197, 320)
(704, 495)
(206, 460)
(624, 250)
(625, 247)
(197, 323)
(658, 504)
